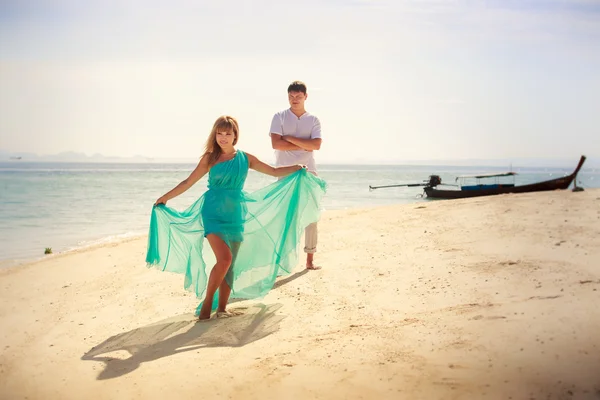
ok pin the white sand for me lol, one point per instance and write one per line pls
(495, 297)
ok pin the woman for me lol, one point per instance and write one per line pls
(253, 236)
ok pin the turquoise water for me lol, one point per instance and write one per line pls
(70, 205)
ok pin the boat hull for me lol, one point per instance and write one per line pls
(553, 184)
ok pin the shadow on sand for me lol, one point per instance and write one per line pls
(277, 284)
(182, 333)
(290, 278)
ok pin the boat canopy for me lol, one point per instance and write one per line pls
(486, 175)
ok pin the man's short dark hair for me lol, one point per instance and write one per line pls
(297, 86)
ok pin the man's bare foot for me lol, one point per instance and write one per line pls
(310, 262)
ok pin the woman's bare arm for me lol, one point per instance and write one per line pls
(197, 174)
(261, 167)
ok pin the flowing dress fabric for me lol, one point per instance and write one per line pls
(263, 229)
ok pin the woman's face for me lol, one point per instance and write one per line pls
(225, 139)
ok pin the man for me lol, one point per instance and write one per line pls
(295, 135)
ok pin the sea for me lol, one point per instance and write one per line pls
(68, 206)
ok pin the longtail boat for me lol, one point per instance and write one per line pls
(432, 190)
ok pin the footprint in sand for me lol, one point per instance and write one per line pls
(544, 297)
(589, 281)
(466, 308)
(478, 317)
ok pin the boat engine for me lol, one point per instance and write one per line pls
(434, 180)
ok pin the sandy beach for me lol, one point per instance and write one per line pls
(495, 297)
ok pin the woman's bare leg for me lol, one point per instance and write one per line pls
(217, 275)
(224, 289)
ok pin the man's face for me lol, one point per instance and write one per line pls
(297, 99)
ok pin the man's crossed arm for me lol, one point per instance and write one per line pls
(279, 142)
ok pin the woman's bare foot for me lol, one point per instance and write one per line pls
(312, 266)
(228, 313)
(205, 311)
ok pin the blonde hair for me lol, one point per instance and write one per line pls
(212, 148)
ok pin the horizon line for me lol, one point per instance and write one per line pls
(555, 162)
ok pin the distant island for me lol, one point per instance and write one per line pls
(75, 157)
(71, 156)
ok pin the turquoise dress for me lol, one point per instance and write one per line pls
(262, 228)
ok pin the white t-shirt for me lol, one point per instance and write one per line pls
(306, 127)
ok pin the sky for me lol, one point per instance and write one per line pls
(391, 81)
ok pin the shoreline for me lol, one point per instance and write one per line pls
(125, 237)
(41, 218)
(92, 244)
(116, 239)
(96, 245)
